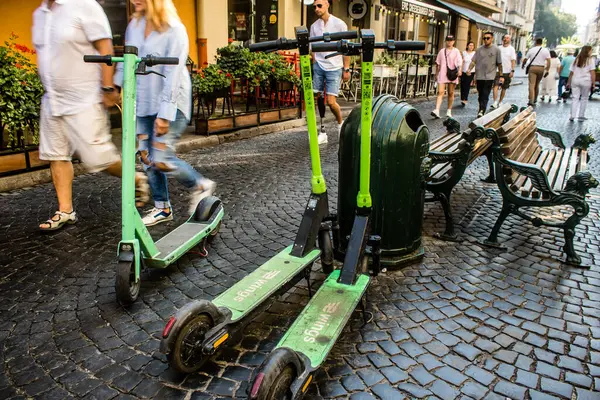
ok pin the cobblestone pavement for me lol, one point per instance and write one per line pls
(467, 322)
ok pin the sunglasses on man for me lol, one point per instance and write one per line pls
(488, 38)
(318, 6)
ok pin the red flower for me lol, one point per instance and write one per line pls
(19, 66)
(272, 69)
(228, 75)
(219, 72)
(271, 62)
(230, 40)
(262, 61)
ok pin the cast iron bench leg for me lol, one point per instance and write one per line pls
(449, 234)
(491, 178)
(492, 240)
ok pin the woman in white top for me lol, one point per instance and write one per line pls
(466, 80)
(549, 81)
(581, 79)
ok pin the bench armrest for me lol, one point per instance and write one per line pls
(554, 137)
(537, 175)
(439, 157)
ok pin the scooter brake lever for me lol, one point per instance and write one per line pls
(150, 72)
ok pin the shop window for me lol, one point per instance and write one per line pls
(117, 12)
(240, 24)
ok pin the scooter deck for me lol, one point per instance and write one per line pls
(251, 291)
(182, 239)
(318, 327)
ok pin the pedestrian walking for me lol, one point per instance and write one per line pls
(328, 71)
(581, 80)
(509, 58)
(73, 116)
(564, 70)
(519, 57)
(488, 60)
(538, 66)
(549, 80)
(163, 106)
(466, 80)
(449, 66)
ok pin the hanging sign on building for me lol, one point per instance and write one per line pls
(266, 20)
(417, 9)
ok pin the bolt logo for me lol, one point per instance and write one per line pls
(321, 323)
(242, 294)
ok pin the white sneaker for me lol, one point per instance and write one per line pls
(205, 188)
(449, 113)
(435, 114)
(322, 138)
(494, 105)
(339, 129)
(156, 216)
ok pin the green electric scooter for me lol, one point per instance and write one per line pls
(198, 329)
(289, 369)
(137, 247)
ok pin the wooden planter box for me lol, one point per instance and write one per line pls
(209, 126)
(14, 162)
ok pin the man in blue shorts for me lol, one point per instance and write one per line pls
(328, 72)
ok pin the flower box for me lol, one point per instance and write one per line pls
(383, 71)
(213, 125)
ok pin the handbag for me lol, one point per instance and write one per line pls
(451, 73)
(529, 65)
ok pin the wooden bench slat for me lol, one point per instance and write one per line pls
(582, 165)
(524, 134)
(439, 170)
(561, 176)
(490, 117)
(514, 121)
(527, 153)
(518, 179)
(553, 173)
(513, 132)
(439, 141)
(450, 143)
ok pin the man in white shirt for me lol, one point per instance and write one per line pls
(73, 117)
(509, 58)
(328, 72)
(538, 68)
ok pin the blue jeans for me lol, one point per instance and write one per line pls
(159, 158)
(562, 81)
(332, 79)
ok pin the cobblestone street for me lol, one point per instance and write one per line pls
(468, 322)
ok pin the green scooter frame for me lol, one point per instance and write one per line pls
(289, 369)
(137, 247)
(200, 328)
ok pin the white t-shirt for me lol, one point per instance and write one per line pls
(582, 74)
(62, 36)
(508, 55)
(541, 58)
(467, 58)
(334, 24)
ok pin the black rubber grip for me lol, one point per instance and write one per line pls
(344, 35)
(97, 59)
(324, 47)
(150, 60)
(264, 46)
(403, 45)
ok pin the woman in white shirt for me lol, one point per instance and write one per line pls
(549, 81)
(466, 80)
(581, 79)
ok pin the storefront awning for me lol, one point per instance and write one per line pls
(481, 21)
(417, 7)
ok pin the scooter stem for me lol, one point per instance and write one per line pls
(363, 200)
(130, 61)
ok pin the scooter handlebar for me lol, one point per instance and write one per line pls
(151, 60)
(290, 44)
(98, 59)
(267, 46)
(335, 36)
(401, 45)
(326, 47)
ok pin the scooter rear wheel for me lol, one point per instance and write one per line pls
(187, 355)
(126, 287)
(276, 382)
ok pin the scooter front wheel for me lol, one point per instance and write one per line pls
(126, 287)
(187, 355)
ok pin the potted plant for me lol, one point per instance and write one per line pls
(211, 83)
(20, 98)
(385, 66)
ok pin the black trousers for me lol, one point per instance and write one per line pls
(465, 86)
(484, 88)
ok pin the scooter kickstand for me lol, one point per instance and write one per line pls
(307, 276)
